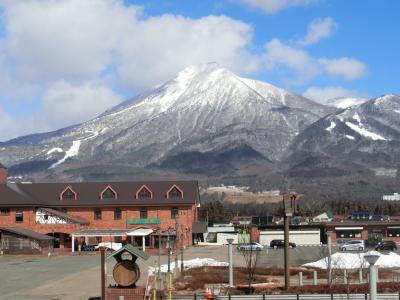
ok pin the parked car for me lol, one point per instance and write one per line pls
(280, 244)
(352, 245)
(386, 245)
(250, 247)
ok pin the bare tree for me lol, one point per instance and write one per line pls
(250, 254)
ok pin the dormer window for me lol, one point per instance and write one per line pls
(144, 193)
(68, 194)
(108, 193)
(175, 192)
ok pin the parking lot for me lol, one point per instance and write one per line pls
(78, 276)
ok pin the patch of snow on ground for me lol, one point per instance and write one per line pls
(345, 260)
(333, 125)
(366, 133)
(397, 111)
(54, 150)
(350, 137)
(190, 264)
(73, 151)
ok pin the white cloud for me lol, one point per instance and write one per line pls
(319, 29)
(348, 68)
(273, 6)
(321, 95)
(65, 104)
(78, 40)
(304, 66)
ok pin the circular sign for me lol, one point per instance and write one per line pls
(126, 273)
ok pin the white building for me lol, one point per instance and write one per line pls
(299, 237)
(394, 197)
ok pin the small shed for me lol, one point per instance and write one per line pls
(15, 240)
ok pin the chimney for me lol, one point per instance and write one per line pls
(3, 174)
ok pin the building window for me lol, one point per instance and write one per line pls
(98, 239)
(144, 193)
(118, 239)
(19, 216)
(109, 194)
(143, 213)
(117, 214)
(97, 214)
(174, 213)
(348, 233)
(4, 212)
(68, 194)
(393, 232)
(175, 193)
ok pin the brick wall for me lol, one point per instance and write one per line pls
(127, 293)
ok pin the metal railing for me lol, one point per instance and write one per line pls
(293, 297)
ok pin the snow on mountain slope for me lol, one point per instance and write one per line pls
(204, 108)
(367, 134)
(345, 102)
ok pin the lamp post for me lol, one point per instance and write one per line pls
(329, 234)
(289, 205)
(230, 259)
(372, 258)
(176, 246)
(182, 266)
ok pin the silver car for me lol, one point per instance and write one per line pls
(250, 247)
(353, 245)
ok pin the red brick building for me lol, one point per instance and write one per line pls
(92, 212)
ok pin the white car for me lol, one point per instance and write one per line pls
(250, 247)
(353, 245)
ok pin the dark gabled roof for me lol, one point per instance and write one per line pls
(27, 233)
(72, 219)
(132, 250)
(88, 194)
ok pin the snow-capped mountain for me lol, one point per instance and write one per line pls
(204, 111)
(365, 136)
(345, 102)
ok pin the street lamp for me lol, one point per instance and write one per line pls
(289, 205)
(230, 259)
(182, 240)
(372, 258)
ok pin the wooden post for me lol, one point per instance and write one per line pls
(345, 276)
(315, 278)
(300, 278)
(360, 275)
(103, 273)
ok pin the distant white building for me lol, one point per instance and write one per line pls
(394, 197)
(386, 172)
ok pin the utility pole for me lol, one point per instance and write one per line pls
(103, 273)
(159, 253)
(286, 253)
(169, 251)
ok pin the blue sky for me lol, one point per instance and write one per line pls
(64, 62)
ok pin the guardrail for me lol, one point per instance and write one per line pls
(293, 297)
